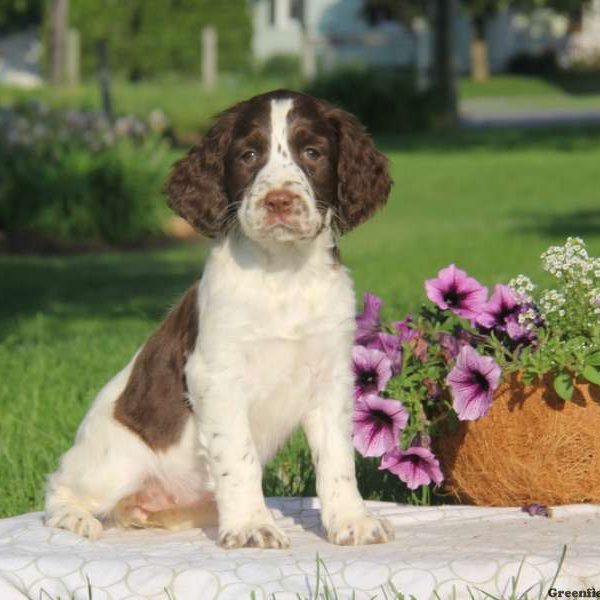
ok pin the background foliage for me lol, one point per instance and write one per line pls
(141, 46)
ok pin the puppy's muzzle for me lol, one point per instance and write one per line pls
(282, 207)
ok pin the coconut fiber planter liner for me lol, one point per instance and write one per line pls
(531, 447)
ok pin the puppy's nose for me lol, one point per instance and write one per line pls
(279, 201)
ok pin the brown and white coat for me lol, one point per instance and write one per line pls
(261, 344)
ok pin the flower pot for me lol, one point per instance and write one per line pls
(531, 447)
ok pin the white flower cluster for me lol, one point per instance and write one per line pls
(528, 318)
(594, 296)
(580, 274)
(572, 263)
(522, 286)
(552, 302)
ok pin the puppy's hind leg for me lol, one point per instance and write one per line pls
(99, 470)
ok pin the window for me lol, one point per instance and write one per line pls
(272, 12)
(297, 10)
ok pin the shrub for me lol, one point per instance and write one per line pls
(149, 37)
(74, 176)
(285, 67)
(386, 101)
(525, 63)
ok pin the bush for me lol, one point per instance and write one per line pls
(385, 101)
(525, 63)
(150, 37)
(285, 67)
(73, 176)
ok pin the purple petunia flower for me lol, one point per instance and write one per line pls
(537, 510)
(406, 333)
(518, 333)
(368, 321)
(372, 371)
(502, 305)
(415, 466)
(433, 389)
(389, 344)
(454, 290)
(419, 347)
(377, 424)
(450, 344)
(472, 382)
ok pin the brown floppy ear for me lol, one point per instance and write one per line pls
(363, 175)
(195, 188)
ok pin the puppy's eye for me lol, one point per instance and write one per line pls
(311, 153)
(249, 156)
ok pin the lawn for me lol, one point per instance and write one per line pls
(506, 94)
(490, 202)
(189, 107)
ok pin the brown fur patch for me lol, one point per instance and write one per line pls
(153, 404)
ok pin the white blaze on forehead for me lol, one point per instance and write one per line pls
(280, 150)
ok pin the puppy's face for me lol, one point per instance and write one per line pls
(280, 167)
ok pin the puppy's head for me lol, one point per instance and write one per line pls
(280, 167)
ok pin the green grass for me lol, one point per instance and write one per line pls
(188, 106)
(529, 85)
(488, 202)
(506, 85)
(514, 93)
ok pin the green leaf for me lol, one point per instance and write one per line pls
(594, 359)
(563, 385)
(591, 374)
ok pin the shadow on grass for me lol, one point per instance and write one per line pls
(576, 83)
(581, 223)
(140, 284)
(561, 139)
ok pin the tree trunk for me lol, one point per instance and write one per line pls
(575, 21)
(480, 70)
(59, 16)
(444, 56)
(104, 77)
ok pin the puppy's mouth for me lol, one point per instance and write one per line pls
(280, 215)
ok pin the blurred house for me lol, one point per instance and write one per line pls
(338, 32)
(20, 59)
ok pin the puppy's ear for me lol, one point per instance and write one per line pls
(195, 188)
(363, 175)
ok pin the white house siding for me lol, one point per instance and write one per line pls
(584, 47)
(341, 36)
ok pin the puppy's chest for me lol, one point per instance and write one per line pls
(281, 332)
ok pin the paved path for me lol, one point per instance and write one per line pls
(481, 113)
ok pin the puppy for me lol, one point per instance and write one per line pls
(261, 344)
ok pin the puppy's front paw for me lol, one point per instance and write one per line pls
(254, 536)
(361, 530)
(76, 520)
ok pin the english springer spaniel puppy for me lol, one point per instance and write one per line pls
(261, 344)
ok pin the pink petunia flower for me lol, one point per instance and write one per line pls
(372, 371)
(454, 290)
(472, 383)
(377, 424)
(415, 466)
(406, 332)
(389, 344)
(502, 305)
(368, 322)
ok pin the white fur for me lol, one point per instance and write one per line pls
(273, 351)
